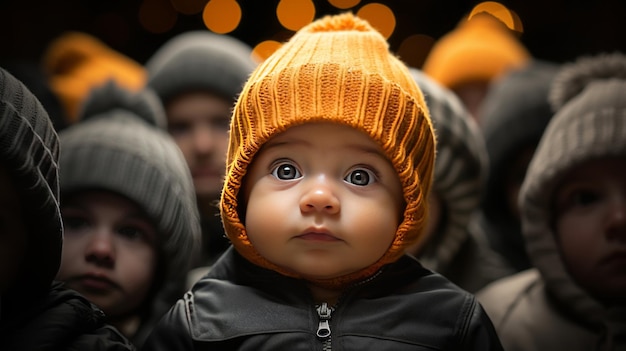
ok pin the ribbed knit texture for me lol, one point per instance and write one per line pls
(479, 49)
(117, 150)
(29, 149)
(590, 123)
(337, 69)
(460, 170)
(200, 61)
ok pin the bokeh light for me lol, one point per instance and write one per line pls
(264, 49)
(508, 17)
(380, 17)
(188, 7)
(157, 16)
(295, 14)
(414, 49)
(344, 4)
(221, 16)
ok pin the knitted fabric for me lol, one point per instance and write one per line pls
(29, 150)
(479, 49)
(460, 170)
(337, 69)
(200, 61)
(117, 147)
(589, 96)
(77, 62)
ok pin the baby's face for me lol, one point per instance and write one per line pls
(322, 200)
(109, 250)
(591, 227)
(13, 234)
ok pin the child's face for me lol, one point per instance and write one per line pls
(322, 200)
(199, 123)
(13, 235)
(109, 252)
(591, 227)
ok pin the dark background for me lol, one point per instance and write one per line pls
(556, 30)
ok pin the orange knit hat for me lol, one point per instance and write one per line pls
(479, 49)
(77, 62)
(337, 69)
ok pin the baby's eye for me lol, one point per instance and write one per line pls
(75, 222)
(131, 232)
(286, 171)
(360, 177)
(584, 197)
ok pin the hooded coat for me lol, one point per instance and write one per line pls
(545, 308)
(457, 250)
(35, 312)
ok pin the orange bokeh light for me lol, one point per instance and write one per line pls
(380, 17)
(295, 14)
(496, 9)
(264, 49)
(221, 16)
(344, 4)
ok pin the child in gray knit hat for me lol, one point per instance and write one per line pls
(198, 75)
(452, 249)
(573, 208)
(131, 222)
(37, 313)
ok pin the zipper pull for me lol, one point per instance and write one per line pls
(323, 328)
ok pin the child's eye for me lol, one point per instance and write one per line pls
(179, 128)
(360, 177)
(131, 233)
(583, 197)
(286, 171)
(74, 222)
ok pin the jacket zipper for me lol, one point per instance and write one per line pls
(324, 312)
(323, 328)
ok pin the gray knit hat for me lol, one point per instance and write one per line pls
(590, 99)
(460, 169)
(116, 147)
(200, 60)
(29, 149)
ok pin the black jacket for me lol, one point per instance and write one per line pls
(60, 320)
(239, 306)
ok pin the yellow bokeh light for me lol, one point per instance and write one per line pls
(496, 9)
(264, 49)
(380, 17)
(157, 16)
(221, 16)
(188, 7)
(344, 4)
(414, 49)
(295, 14)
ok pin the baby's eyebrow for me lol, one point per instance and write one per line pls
(272, 143)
